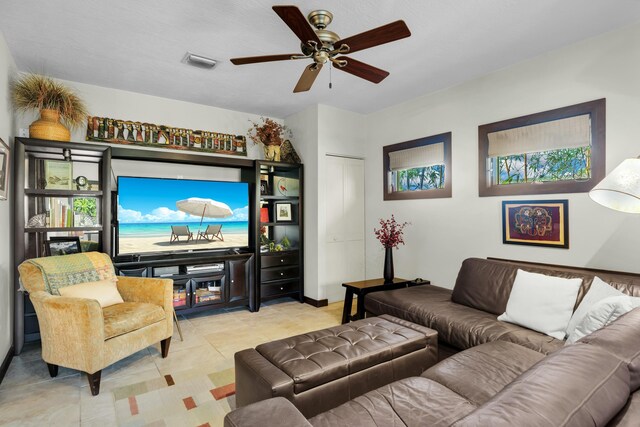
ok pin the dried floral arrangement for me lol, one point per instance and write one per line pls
(37, 92)
(390, 233)
(268, 132)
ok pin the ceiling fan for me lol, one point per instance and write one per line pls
(322, 45)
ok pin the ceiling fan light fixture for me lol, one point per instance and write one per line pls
(199, 61)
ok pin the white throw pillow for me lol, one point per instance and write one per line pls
(542, 303)
(598, 291)
(603, 313)
(104, 291)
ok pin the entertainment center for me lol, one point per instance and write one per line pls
(231, 268)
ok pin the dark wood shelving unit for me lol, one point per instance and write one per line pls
(247, 278)
(279, 273)
(29, 158)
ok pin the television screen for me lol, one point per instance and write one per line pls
(173, 215)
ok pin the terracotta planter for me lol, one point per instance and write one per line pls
(48, 126)
(272, 152)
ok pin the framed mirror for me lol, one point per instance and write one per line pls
(417, 169)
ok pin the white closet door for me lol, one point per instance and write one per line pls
(344, 215)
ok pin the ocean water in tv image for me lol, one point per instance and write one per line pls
(160, 215)
(163, 229)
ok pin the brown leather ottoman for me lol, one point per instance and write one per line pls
(320, 370)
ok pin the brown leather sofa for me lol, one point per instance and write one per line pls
(506, 375)
(466, 316)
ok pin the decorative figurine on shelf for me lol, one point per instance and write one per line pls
(130, 136)
(271, 135)
(147, 133)
(110, 129)
(288, 153)
(101, 128)
(138, 128)
(390, 234)
(119, 131)
(37, 221)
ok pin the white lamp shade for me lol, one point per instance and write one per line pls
(620, 190)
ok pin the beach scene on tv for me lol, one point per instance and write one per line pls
(160, 215)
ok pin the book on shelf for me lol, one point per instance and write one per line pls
(59, 212)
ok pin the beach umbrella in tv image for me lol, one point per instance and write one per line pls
(204, 208)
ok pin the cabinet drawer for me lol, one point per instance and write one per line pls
(277, 289)
(267, 274)
(276, 260)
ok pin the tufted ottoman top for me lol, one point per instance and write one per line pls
(319, 357)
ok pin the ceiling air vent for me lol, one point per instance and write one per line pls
(199, 61)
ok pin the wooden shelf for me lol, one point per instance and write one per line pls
(286, 198)
(52, 229)
(273, 224)
(62, 193)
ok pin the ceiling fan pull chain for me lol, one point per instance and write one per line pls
(330, 68)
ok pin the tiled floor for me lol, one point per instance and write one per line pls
(28, 396)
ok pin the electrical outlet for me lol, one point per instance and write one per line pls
(23, 133)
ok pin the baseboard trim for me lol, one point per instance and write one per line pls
(5, 363)
(316, 303)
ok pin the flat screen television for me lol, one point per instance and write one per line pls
(156, 215)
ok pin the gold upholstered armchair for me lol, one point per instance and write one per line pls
(77, 332)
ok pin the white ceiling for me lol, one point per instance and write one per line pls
(138, 45)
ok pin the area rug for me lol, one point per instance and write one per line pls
(188, 398)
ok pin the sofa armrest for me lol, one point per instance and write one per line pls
(258, 379)
(275, 412)
(72, 330)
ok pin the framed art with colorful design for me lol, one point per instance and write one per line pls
(536, 223)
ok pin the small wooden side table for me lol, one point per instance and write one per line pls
(364, 287)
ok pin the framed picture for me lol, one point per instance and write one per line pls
(264, 187)
(58, 175)
(536, 223)
(4, 170)
(63, 245)
(283, 212)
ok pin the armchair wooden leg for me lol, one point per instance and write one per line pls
(53, 370)
(164, 346)
(94, 382)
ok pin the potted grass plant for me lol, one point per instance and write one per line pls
(59, 106)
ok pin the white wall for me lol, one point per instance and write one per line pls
(304, 126)
(318, 131)
(446, 231)
(7, 68)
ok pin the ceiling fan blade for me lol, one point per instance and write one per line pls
(387, 33)
(295, 20)
(362, 70)
(307, 78)
(266, 58)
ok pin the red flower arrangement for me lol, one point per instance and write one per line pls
(268, 132)
(390, 232)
